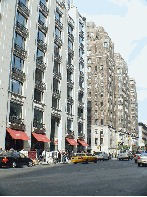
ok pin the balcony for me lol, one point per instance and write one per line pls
(70, 22)
(40, 64)
(81, 74)
(18, 75)
(16, 123)
(43, 9)
(59, 11)
(56, 94)
(57, 58)
(19, 52)
(70, 100)
(23, 9)
(71, 52)
(81, 105)
(40, 85)
(70, 67)
(58, 41)
(71, 37)
(58, 24)
(81, 46)
(70, 133)
(80, 119)
(38, 126)
(70, 116)
(81, 34)
(41, 45)
(81, 60)
(56, 112)
(81, 89)
(70, 83)
(21, 30)
(57, 75)
(42, 27)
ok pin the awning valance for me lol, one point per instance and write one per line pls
(72, 141)
(83, 143)
(18, 135)
(41, 137)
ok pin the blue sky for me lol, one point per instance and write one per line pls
(125, 23)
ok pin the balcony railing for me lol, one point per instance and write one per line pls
(81, 104)
(59, 11)
(40, 85)
(16, 123)
(23, 9)
(80, 119)
(81, 89)
(70, 83)
(58, 41)
(71, 23)
(19, 52)
(38, 125)
(41, 45)
(42, 27)
(71, 52)
(71, 37)
(57, 58)
(70, 100)
(57, 74)
(70, 132)
(81, 34)
(81, 45)
(43, 9)
(18, 74)
(70, 116)
(70, 67)
(57, 93)
(40, 64)
(56, 112)
(58, 24)
(81, 60)
(81, 74)
(21, 30)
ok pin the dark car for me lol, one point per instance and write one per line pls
(14, 159)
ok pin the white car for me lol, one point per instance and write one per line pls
(142, 159)
(101, 156)
(125, 154)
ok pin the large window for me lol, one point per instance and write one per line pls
(21, 19)
(15, 110)
(41, 35)
(17, 63)
(16, 86)
(19, 40)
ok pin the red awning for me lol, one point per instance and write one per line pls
(41, 137)
(83, 143)
(72, 141)
(18, 135)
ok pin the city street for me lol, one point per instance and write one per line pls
(111, 177)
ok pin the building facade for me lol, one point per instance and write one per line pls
(43, 67)
(142, 140)
(100, 89)
(109, 102)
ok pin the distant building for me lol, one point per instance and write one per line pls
(142, 141)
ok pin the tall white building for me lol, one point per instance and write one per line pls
(42, 72)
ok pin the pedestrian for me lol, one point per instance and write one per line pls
(59, 156)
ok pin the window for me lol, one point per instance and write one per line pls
(70, 46)
(102, 112)
(101, 67)
(96, 141)
(89, 94)
(105, 44)
(101, 103)
(96, 104)
(102, 122)
(96, 122)
(95, 85)
(89, 68)
(89, 60)
(102, 85)
(96, 95)
(16, 86)
(17, 63)
(37, 95)
(120, 106)
(89, 76)
(102, 94)
(19, 40)
(95, 77)
(101, 131)
(96, 131)
(89, 86)
(101, 141)
(95, 112)
(95, 68)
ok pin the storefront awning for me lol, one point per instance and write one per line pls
(83, 143)
(18, 135)
(41, 137)
(72, 141)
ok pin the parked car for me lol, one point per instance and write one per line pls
(142, 159)
(138, 153)
(83, 158)
(14, 159)
(101, 156)
(125, 154)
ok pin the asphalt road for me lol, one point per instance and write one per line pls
(105, 178)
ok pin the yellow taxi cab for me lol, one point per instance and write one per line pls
(83, 158)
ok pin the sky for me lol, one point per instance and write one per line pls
(125, 23)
